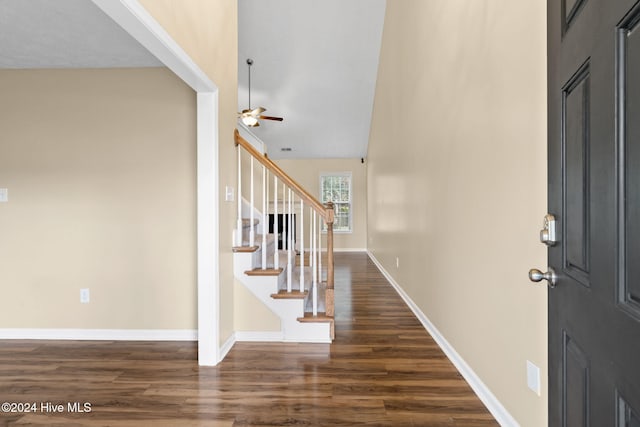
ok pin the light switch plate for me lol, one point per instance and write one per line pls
(4, 195)
(229, 195)
(85, 296)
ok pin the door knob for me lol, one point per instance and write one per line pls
(550, 276)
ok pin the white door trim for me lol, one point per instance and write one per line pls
(136, 21)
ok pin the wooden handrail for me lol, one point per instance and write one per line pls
(326, 212)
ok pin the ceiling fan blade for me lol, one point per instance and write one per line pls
(279, 119)
(257, 111)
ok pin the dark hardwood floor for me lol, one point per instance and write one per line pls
(382, 370)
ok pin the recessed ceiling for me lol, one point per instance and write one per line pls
(315, 64)
(65, 34)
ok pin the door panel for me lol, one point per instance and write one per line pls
(629, 95)
(594, 192)
(575, 147)
(570, 9)
(626, 415)
(575, 387)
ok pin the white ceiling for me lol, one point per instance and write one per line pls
(315, 64)
(65, 34)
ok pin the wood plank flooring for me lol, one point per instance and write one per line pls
(382, 370)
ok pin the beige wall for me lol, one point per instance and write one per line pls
(457, 180)
(208, 32)
(146, 283)
(250, 314)
(100, 167)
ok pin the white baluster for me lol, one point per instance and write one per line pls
(320, 222)
(284, 214)
(252, 235)
(239, 195)
(301, 246)
(312, 253)
(264, 218)
(276, 255)
(265, 226)
(289, 223)
(289, 239)
(315, 265)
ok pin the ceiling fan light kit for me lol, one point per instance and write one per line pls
(250, 117)
(250, 120)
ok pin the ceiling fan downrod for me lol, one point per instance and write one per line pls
(249, 63)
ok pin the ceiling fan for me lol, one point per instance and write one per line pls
(251, 116)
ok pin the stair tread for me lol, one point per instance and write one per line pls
(295, 286)
(265, 272)
(289, 295)
(257, 239)
(243, 249)
(270, 269)
(321, 317)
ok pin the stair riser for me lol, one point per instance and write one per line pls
(288, 308)
(243, 262)
(284, 308)
(295, 331)
(256, 260)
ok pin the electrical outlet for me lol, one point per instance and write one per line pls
(85, 297)
(4, 195)
(533, 377)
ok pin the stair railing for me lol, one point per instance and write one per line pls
(318, 213)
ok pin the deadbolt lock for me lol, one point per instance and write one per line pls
(548, 234)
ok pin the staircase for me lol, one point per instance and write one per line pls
(293, 279)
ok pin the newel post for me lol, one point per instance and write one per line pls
(329, 296)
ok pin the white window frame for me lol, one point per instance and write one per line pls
(349, 175)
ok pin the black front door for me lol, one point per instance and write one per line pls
(594, 192)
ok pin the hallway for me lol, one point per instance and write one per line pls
(382, 369)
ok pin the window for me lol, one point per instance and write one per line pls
(336, 188)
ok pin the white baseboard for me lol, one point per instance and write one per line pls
(484, 394)
(259, 336)
(100, 334)
(226, 347)
(324, 250)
